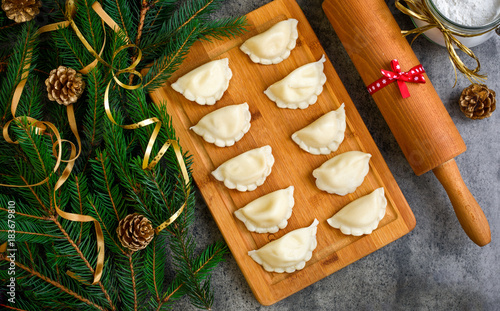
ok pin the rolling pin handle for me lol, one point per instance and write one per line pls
(469, 213)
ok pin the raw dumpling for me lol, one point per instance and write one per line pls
(225, 126)
(269, 213)
(362, 215)
(246, 171)
(288, 253)
(205, 84)
(300, 88)
(343, 173)
(323, 135)
(273, 45)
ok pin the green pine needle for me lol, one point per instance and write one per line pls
(56, 257)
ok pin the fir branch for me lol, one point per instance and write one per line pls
(94, 113)
(12, 308)
(90, 23)
(35, 195)
(189, 12)
(131, 289)
(174, 292)
(72, 52)
(80, 204)
(209, 258)
(163, 67)
(132, 275)
(154, 264)
(25, 215)
(107, 231)
(111, 159)
(37, 234)
(31, 104)
(84, 259)
(121, 12)
(224, 28)
(23, 53)
(104, 164)
(145, 7)
(160, 13)
(53, 283)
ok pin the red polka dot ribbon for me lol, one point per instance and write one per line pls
(414, 75)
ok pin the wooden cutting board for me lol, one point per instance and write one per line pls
(273, 126)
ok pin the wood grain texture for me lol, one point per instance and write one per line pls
(293, 166)
(420, 123)
(469, 213)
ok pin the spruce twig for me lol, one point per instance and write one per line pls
(83, 258)
(145, 6)
(54, 283)
(108, 181)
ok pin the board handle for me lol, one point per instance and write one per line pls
(469, 213)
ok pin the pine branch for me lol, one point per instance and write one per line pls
(24, 52)
(170, 61)
(54, 283)
(154, 265)
(159, 14)
(145, 7)
(224, 28)
(31, 103)
(84, 259)
(89, 23)
(108, 181)
(122, 14)
(174, 292)
(134, 283)
(109, 234)
(104, 176)
(71, 50)
(94, 114)
(12, 308)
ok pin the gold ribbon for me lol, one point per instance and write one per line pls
(147, 154)
(42, 125)
(418, 9)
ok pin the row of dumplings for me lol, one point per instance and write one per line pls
(291, 252)
(340, 175)
(207, 83)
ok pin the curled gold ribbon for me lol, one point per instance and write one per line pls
(131, 69)
(146, 165)
(419, 10)
(41, 126)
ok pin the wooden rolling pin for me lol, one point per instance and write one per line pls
(422, 126)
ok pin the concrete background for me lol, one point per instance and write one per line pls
(434, 267)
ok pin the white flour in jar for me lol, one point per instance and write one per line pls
(469, 12)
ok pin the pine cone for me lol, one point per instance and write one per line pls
(477, 101)
(64, 85)
(21, 10)
(135, 232)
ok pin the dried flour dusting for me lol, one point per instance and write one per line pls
(469, 12)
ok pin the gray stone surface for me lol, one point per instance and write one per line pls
(434, 267)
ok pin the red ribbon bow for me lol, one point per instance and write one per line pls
(414, 75)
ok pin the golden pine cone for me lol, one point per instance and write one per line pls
(477, 101)
(64, 85)
(135, 232)
(21, 11)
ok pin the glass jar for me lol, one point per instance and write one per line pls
(482, 33)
